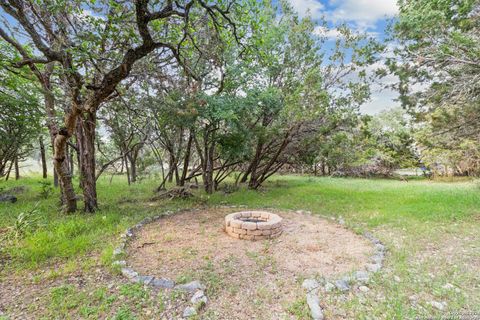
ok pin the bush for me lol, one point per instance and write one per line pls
(26, 222)
(46, 189)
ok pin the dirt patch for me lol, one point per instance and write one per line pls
(247, 279)
(91, 292)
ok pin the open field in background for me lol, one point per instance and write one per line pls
(431, 229)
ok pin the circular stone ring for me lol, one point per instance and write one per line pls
(253, 225)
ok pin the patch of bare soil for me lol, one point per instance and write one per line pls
(246, 279)
(27, 295)
(91, 293)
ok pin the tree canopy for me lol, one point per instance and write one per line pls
(243, 89)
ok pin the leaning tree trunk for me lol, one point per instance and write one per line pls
(69, 200)
(271, 167)
(9, 170)
(86, 150)
(171, 166)
(59, 140)
(252, 167)
(186, 161)
(17, 169)
(43, 157)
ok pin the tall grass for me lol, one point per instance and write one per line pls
(68, 235)
(374, 202)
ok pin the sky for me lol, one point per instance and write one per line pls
(369, 16)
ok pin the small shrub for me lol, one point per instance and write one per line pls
(175, 193)
(184, 278)
(26, 222)
(230, 188)
(133, 291)
(299, 309)
(46, 189)
(124, 314)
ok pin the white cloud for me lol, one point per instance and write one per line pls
(379, 101)
(365, 13)
(362, 15)
(303, 7)
(327, 33)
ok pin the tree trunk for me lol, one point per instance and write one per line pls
(9, 170)
(171, 167)
(133, 173)
(257, 178)
(68, 197)
(58, 136)
(43, 157)
(86, 149)
(204, 155)
(59, 140)
(55, 179)
(186, 161)
(133, 166)
(17, 169)
(72, 162)
(68, 159)
(209, 151)
(127, 170)
(177, 176)
(252, 168)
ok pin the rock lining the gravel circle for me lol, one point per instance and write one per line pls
(361, 277)
(199, 299)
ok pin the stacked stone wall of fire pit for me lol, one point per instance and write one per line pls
(253, 225)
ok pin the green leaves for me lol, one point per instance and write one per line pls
(439, 57)
(20, 115)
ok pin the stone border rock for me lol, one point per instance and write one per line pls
(267, 225)
(199, 299)
(344, 284)
(197, 289)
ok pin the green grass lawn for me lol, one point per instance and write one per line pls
(431, 230)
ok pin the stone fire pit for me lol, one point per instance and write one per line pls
(253, 225)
